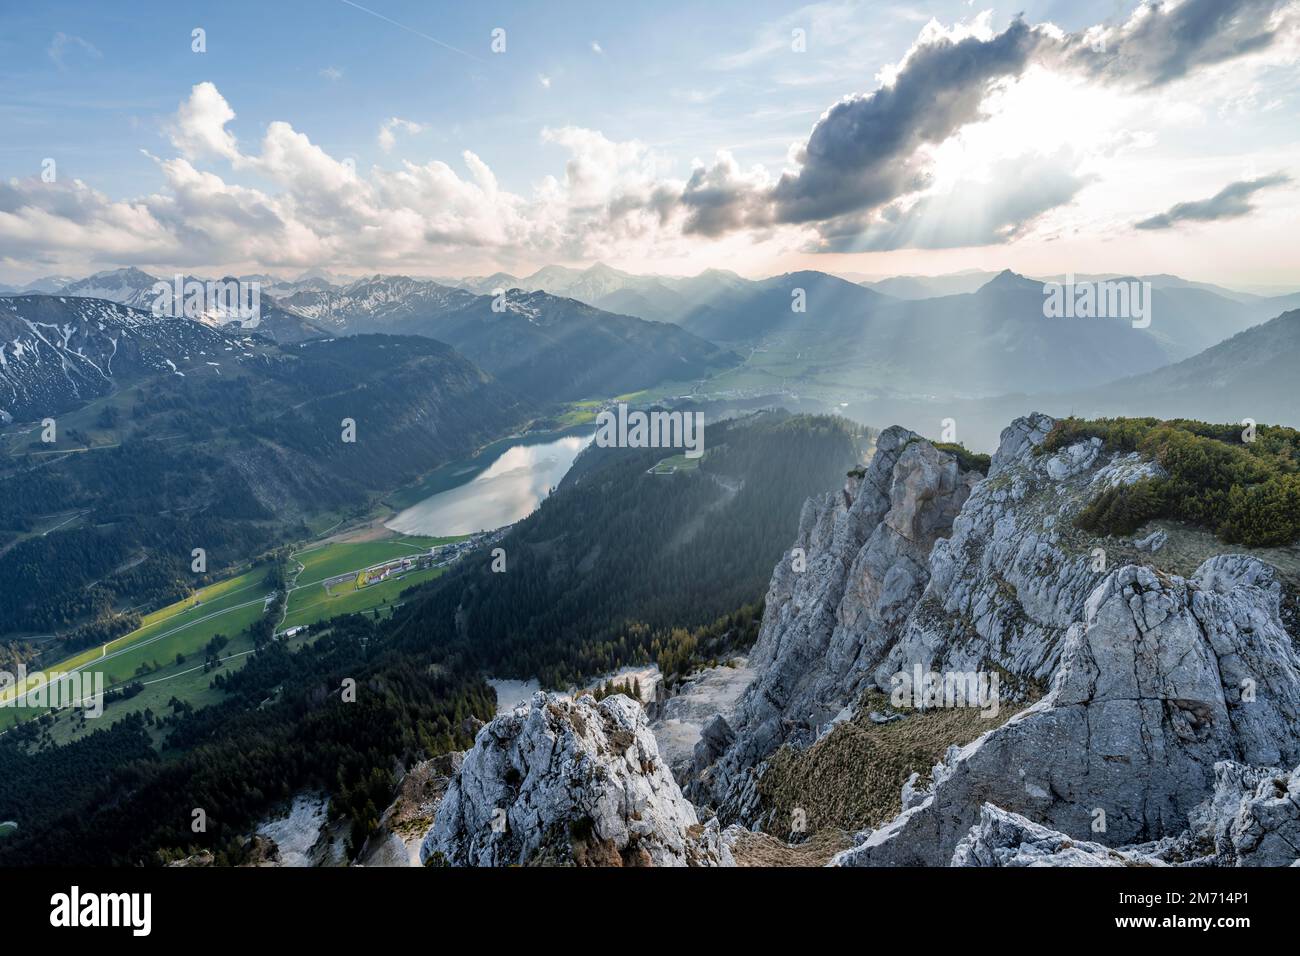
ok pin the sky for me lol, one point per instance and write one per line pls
(450, 139)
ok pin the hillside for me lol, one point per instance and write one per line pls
(229, 456)
(831, 309)
(1250, 375)
(556, 349)
(619, 556)
(57, 353)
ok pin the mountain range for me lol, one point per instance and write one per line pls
(546, 347)
(564, 334)
(966, 333)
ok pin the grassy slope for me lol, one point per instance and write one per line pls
(227, 607)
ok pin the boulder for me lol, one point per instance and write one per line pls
(568, 782)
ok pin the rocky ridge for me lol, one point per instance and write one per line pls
(1154, 682)
(834, 603)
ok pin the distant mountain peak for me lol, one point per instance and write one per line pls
(1008, 281)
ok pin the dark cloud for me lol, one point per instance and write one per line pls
(1163, 42)
(720, 199)
(1230, 202)
(862, 153)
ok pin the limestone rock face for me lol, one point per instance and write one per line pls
(1164, 678)
(564, 781)
(1008, 839)
(1163, 702)
(1006, 584)
(1261, 827)
(407, 819)
(836, 602)
(1251, 819)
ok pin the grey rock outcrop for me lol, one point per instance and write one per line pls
(1166, 700)
(1152, 542)
(1163, 679)
(1251, 819)
(835, 604)
(1009, 582)
(1254, 818)
(564, 781)
(404, 823)
(1008, 839)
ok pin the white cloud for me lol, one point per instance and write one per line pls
(388, 131)
(64, 43)
(199, 127)
(611, 196)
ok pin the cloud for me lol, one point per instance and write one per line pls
(867, 151)
(721, 198)
(321, 210)
(864, 150)
(199, 128)
(597, 48)
(332, 73)
(1165, 41)
(873, 173)
(545, 80)
(1230, 202)
(388, 131)
(64, 43)
(868, 161)
(992, 211)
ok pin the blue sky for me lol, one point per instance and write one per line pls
(97, 87)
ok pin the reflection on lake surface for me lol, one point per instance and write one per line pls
(508, 489)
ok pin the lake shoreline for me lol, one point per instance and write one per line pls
(500, 485)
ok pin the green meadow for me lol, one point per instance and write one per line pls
(330, 560)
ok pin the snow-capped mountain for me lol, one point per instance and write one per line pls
(542, 345)
(129, 286)
(41, 286)
(486, 285)
(57, 352)
(136, 288)
(375, 303)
